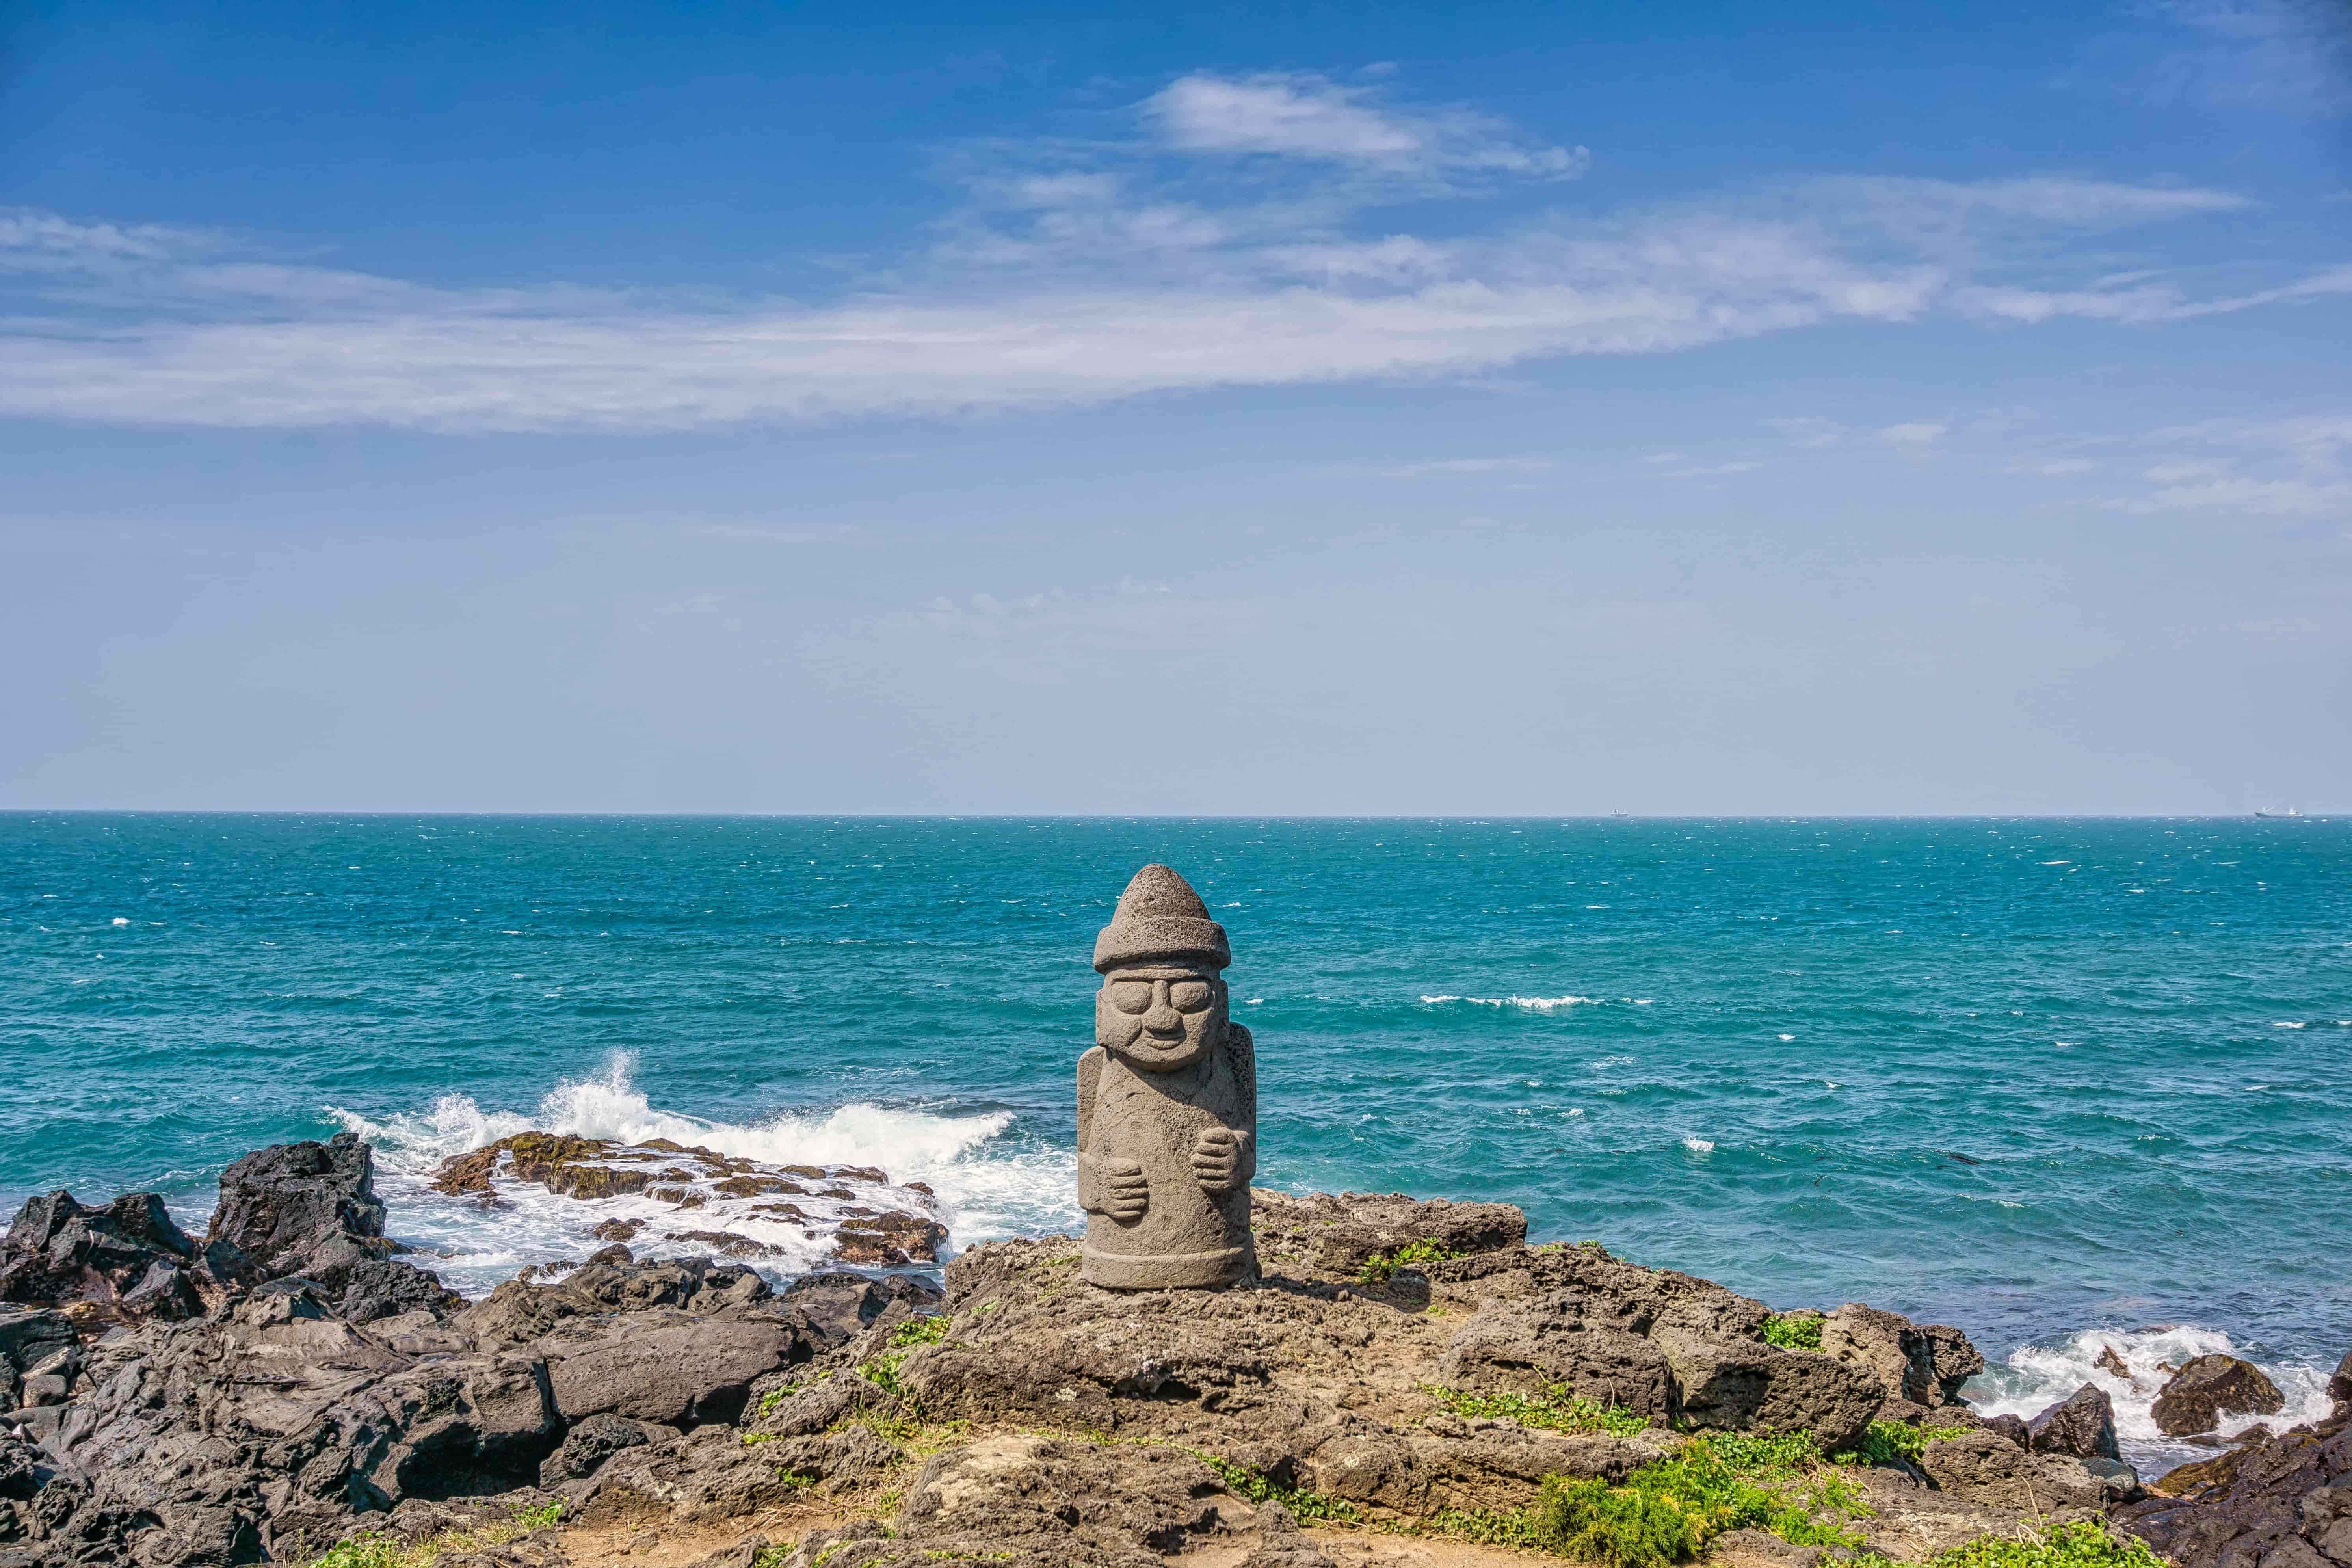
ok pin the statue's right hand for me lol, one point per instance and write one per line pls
(1125, 1193)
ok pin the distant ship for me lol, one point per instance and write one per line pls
(2279, 815)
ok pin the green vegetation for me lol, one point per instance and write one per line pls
(1257, 1487)
(772, 1557)
(1887, 1441)
(777, 1395)
(1794, 1330)
(919, 1331)
(1668, 1510)
(377, 1550)
(1379, 1266)
(1555, 1410)
(2086, 1544)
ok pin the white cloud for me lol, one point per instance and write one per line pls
(1300, 115)
(1910, 435)
(1057, 288)
(2292, 470)
(2291, 56)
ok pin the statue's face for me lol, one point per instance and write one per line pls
(1160, 1016)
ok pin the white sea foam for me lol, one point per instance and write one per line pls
(987, 1186)
(2037, 1376)
(1532, 1004)
(1698, 1145)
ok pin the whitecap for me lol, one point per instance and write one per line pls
(1698, 1145)
(2035, 1377)
(986, 1184)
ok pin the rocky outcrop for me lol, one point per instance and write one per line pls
(1021, 1415)
(2083, 1425)
(2193, 1401)
(1340, 1233)
(127, 1255)
(733, 1202)
(1925, 1363)
(2284, 1502)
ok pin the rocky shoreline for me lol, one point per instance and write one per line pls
(1406, 1382)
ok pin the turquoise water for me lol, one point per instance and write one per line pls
(2030, 1077)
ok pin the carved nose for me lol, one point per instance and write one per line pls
(1163, 1018)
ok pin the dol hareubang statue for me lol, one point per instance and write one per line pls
(1167, 1100)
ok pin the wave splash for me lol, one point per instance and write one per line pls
(988, 1186)
(2037, 1376)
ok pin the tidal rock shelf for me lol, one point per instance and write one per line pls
(1401, 1379)
(668, 1198)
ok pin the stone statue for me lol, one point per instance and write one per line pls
(1167, 1100)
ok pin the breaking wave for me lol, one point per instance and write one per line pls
(988, 1184)
(2035, 1377)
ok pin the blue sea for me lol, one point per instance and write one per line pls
(2065, 1083)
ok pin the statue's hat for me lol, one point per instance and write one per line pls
(1160, 920)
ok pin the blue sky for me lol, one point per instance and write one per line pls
(1484, 408)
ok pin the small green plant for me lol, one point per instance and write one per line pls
(374, 1550)
(795, 1480)
(1668, 1510)
(539, 1517)
(1557, 1409)
(1258, 1487)
(1887, 1441)
(919, 1331)
(1794, 1330)
(1379, 1266)
(2086, 1544)
(772, 1557)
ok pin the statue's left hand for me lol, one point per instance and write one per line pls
(1217, 1159)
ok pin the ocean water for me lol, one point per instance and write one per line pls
(2065, 1083)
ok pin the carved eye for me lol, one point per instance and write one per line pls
(1131, 996)
(1189, 995)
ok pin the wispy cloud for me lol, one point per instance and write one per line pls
(1296, 114)
(1076, 277)
(2292, 470)
(2289, 55)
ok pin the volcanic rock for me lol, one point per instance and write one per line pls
(128, 1254)
(2083, 1425)
(842, 1305)
(2197, 1394)
(1922, 1362)
(295, 1208)
(2285, 1500)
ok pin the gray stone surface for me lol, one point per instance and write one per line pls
(2198, 1393)
(1167, 1100)
(1922, 1362)
(2083, 1425)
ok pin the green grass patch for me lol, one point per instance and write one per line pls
(1554, 1410)
(1258, 1487)
(2087, 1544)
(1887, 1441)
(1794, 1330)
(919, 1331)
(1379, 1266)
(378, 1550)
(1667, 1511)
